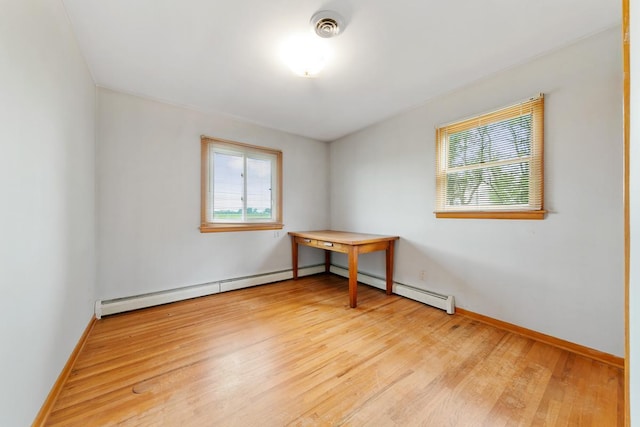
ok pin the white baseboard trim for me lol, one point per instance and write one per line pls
(443, 302)
(121, 305)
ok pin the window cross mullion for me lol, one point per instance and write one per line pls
(487, 165)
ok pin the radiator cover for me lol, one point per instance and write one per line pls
(121, 305)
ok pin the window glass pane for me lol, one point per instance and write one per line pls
(259, 183)
(228, 187)
(503, 185)
(503, 140)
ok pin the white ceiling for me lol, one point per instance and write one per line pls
(223, 56)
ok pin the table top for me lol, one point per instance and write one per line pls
(344, 237)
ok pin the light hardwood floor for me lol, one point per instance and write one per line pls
(294, 353)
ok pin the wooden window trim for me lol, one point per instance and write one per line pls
(215, 227)
(537, 161)
(493, 214)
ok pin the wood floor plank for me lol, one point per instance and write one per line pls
(294, 353)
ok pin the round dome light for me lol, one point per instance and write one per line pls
(305, 54)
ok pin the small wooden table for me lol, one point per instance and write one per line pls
(348, 243)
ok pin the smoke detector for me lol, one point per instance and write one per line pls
(327, 23)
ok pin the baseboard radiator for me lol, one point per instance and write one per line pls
(443, 302)
(121, 305)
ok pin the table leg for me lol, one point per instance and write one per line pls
(327, 261)
(353, 276)
(294, 257)
(390, 267)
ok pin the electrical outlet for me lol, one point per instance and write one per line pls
(276, 234)
(422, 275)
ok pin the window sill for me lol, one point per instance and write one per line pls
(216, 228)
(493, 214)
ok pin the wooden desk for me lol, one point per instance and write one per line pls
(348, 243)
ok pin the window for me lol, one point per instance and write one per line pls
(241, 187)
(490, 166)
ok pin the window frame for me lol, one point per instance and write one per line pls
(536, 164)
(208, 143)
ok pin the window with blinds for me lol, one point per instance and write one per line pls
(241, 186)
(491, 166)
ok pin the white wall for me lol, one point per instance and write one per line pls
(634, 190)
(148, 161)
(567, 281)
(47, 245)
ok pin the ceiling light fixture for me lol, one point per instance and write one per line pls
(307, 54)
